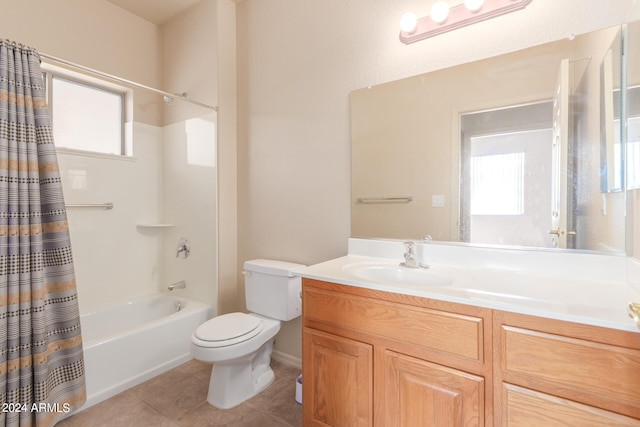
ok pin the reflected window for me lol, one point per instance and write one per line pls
(505, 182)
(497, 184)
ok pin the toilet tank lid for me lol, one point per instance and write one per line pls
(273, 267)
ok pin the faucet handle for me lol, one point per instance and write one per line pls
(410, 244)
(634, 312)
(411, 257)
(183, 248)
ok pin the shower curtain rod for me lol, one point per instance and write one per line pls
(124, 81)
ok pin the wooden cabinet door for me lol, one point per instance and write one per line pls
(337, 381)
(423, 394)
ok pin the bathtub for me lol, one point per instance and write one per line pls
(128, 343)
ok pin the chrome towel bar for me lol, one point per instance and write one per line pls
(397, 199)
(105, 205)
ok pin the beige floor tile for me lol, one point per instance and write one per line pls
(183, 397)
(123, 410)
(177, 398)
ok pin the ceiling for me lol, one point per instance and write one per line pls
(155, 11)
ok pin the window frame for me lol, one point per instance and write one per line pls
(50, 72)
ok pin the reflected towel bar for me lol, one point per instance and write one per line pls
(399, 199)
(105, 206)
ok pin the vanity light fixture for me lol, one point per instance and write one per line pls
(440, 11)
(408, 22)
(443, 18)
(473, 5)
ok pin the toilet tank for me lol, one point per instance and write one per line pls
(272, 289)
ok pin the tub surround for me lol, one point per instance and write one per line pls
(586, 288)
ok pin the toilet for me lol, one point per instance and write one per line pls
(239, 344)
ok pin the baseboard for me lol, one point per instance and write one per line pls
(287, 359)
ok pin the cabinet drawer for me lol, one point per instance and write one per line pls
(594, 373)
(450, 333)
(524, 407)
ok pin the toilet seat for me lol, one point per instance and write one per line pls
(228, 329)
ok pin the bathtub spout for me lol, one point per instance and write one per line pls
(178, 285)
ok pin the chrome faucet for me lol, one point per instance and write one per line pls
(178, 285)
(411, 258)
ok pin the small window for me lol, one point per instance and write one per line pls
(86, 116)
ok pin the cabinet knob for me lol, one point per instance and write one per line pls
(634, 312)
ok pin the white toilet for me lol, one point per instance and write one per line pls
(239, 344)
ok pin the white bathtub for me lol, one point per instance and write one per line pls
(128, 343)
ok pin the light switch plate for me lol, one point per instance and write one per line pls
(437, 201)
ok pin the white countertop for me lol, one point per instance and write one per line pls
(585, 288)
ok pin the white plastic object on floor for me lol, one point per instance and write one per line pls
(299, 389)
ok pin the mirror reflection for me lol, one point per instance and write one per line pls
(632, 152)
(522, 149)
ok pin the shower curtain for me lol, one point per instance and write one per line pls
(41, 362)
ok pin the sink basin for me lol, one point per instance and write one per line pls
(396, 274)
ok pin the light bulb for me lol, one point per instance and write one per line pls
(408, 22)
(473, 5)
(440, 11)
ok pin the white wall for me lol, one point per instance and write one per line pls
(96, 34)
(298, 60)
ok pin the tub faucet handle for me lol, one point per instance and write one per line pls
(183, 248)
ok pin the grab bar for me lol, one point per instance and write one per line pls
(105, 205)
(397, 199)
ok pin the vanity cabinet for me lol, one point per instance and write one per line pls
(374, 358)
(550, 372)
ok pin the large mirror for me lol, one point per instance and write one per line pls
(521, 150)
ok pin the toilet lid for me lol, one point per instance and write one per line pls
(229, 329)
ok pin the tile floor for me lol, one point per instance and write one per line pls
(177, 398)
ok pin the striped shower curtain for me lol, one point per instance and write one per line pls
(41, 362)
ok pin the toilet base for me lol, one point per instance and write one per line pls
(233, 382)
